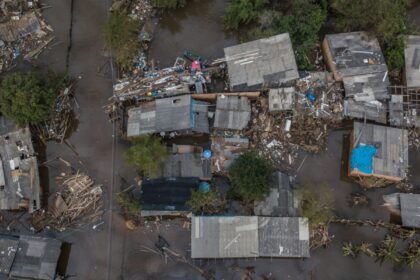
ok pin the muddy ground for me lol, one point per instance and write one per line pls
(113, 252)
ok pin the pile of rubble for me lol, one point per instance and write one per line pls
(136, 9)
(280, 137)
(319, 96)
(414, 137)
(163, 83)
(23, 31)
(79, 202)
(61, 120)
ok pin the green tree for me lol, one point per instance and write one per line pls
(386, 19)
(26, 99)
(120, 34)
(206, 202)
(240, 12)
(387, 251)
(316, 204)
(250, 176)
(169, 4)
(303, 21)
(147, 154)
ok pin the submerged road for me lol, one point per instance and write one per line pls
(92, 147)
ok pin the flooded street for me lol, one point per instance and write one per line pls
(197, 27)
(113, 252)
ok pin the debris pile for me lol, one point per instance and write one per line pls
(414, 137)
(319, 96)
(280, 137)
(56, 127)
(23, 31)
(78, 203)
(319, 237)
(166, 82)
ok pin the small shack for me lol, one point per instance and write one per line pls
(281, 99)
(29, 257)
(232, 112)
(378, 151)
(187, 165)
(406, 206)
(19, 177)
(249, 236)
(165, 196)
(280, 201)
(179, 115)
(412, 62)
(268, 62)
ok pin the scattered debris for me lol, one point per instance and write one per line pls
(358, 199)
(320, 237)
(23, 32)
(62, 118)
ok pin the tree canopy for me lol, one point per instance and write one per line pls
(243, 12)
(316, 204)
(120, 34)
(206, 202)
(26, 99)
(250, 176)
(147, 154)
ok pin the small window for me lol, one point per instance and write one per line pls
(1, 188)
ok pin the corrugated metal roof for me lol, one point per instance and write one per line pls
(232, 112)
(280, 201)
(410, 211)
(8, 249)
(265, 62)
(249, 236)
(179, 113)
(187, 165)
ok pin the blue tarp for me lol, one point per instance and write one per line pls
(362, 158)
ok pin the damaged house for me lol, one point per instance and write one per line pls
(29, 257)
(187, 165)
(19, 178)
(232, 112)
(404, 107)
(281, 99)
(180, 115)
(268, 62)
(225, 150)
(249, 237)
(378, 151)
(356, 59)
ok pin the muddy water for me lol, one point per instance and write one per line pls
(197, 27)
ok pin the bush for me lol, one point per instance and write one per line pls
(26, 99)
(120, 34)
(129, 205)
(250, 176)
(169, 4)
(386, 19)
(317, 205)
(209, 203)
(147, 154)
(240, 12)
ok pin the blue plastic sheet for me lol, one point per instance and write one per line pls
(362, 158)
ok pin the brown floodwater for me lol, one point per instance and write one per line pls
(197, 27)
